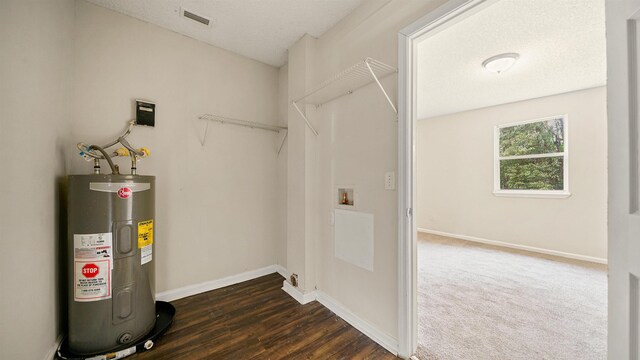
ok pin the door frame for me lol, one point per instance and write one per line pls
(445, 15)
(623, 99)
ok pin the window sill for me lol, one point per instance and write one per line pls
(533, 194)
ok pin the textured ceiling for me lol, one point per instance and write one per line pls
(259, 29)
(561, 45)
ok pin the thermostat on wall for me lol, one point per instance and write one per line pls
(145, 113)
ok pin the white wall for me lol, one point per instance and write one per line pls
(357, 144)
(455, 177)
(36, 58)
(283, 103)
(70, 72)
(217, 204)
(296, 191)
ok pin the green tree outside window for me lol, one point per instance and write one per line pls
(532, 156)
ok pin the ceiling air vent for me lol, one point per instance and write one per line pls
(195, 17)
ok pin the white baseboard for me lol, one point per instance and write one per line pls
(345, 314)
(282, 271)
(195, 289)
(516, 246)
(51, 354)
(384, 340)
(302, 298)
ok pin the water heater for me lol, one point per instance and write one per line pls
(110, 247)
(112, 312)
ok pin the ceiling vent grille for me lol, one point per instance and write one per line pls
(195, 17)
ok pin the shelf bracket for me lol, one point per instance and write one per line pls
(204, 138)
(373, 74)
(286, 132)
(305, 118)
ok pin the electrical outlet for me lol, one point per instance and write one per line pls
(390, 180)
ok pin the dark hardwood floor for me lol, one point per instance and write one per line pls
(258, 320)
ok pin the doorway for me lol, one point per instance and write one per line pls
(452, 15)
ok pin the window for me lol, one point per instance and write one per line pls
(531, 158)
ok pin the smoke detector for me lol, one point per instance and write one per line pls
(206, 21)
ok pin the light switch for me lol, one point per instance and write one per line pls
(390, 180)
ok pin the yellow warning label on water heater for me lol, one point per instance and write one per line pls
(145, 233)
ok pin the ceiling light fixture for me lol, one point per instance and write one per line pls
(500, 63)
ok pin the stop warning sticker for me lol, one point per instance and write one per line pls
(92, 280)
(145, 233)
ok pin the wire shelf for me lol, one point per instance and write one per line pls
(250, 124)
(347, 81)
(244, 123)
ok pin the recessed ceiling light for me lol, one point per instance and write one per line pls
(500, 63)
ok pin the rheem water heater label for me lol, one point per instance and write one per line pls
(93, 262)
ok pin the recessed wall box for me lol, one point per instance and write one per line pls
(145, 113)
(346, 197)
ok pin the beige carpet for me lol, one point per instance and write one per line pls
(482, 302)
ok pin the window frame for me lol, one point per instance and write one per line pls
(497, 191)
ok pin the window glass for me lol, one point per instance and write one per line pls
(542, 137)
(531, 157)
(532, 174)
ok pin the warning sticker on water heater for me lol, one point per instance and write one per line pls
(116, 355)
(145, 233)
(93, 259)
(93, 247)
(146, 254)
(92, 280)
